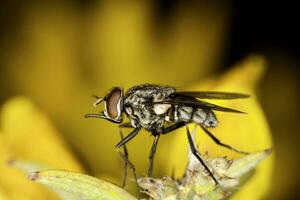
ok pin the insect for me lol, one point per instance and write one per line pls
(162, 109)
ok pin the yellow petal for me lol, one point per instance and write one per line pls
(13, 183)
(32, 136)
(3, 195)
(248, 132)
(122, 47)
(27, 133)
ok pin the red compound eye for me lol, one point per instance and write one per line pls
(113, 103)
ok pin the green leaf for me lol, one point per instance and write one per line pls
(82, 186)
(28, 167)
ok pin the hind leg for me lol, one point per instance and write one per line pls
(217, 141)
(198, 156)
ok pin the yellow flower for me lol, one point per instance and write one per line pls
(26, 133)
(247, 132)
(61, 57)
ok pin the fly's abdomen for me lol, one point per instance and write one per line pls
(196, 115)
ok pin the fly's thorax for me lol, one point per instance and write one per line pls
(163, 93)
(150, 91)
(140, 104)
(141, 114)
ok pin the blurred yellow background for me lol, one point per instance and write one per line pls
(59, 53)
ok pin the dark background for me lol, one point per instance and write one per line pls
(255, 25)
(263, 27)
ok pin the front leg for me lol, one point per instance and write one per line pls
(124, 156)
(128, 163)
(128, 137)
(126, 125)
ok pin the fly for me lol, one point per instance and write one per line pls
(163, 109)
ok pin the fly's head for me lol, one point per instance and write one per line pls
(113, 106)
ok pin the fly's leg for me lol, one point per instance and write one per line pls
(125, 125)
(128, 137)
(197, 155)
(128, 163)
(217, 141)
(126, 159)
(124, 156)
(152, 154)
(173, 127)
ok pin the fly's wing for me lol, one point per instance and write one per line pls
(184, 100)
(213, 95)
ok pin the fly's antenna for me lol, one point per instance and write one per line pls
(98, 101)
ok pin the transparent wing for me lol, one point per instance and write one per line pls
(183, 100)
(213, 95)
